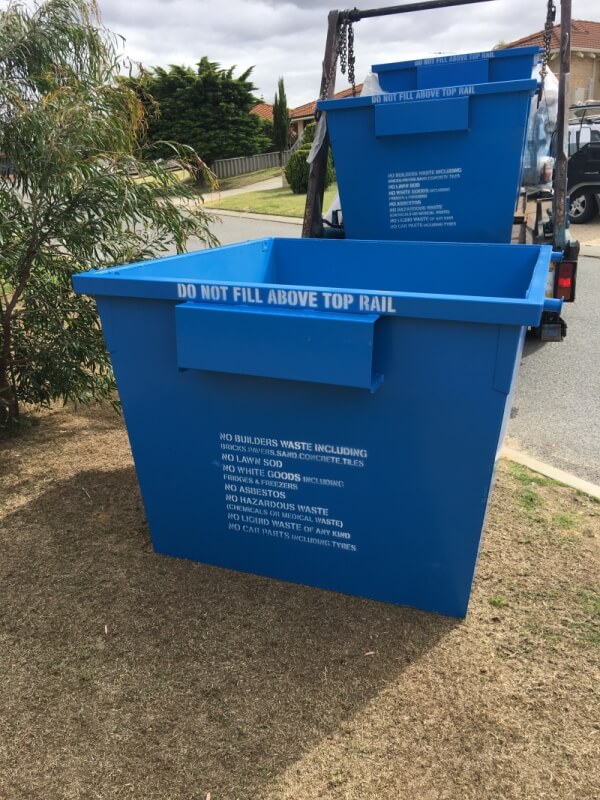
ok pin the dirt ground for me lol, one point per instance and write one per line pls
(124, 674)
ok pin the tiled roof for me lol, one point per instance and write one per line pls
(309, 109)
(584, 35)
(264, 110)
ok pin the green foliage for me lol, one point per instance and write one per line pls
(565, 521)
(207, 109)
(528, 478)
(529, 498)
(297, 170)
(267, 129)
(278, 201)
(281, 119)
(308, 134)
(81, 197)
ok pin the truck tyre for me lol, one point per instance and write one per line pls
(583, 207)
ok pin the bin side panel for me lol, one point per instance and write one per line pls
(398, 119)
(423, 268)
(459, 73)
(322, 348)
(429, 186)
(381, 495)
(401, 80)
(519, 65)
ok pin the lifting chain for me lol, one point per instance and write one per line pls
(548, 27)
(351, 58)
(342, 47)
(345, 52)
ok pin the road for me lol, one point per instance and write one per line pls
(230, 228)
(556, 410)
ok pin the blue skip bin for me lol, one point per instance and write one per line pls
(493, 66)
(324, 412)
(433, 164)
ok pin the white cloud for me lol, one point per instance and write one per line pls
(288, 38)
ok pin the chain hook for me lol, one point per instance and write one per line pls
(548, 28)
(344, 51)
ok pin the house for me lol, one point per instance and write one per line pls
(585, 54)
(264, 111)
(301, 116)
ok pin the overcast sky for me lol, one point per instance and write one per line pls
(288, 38)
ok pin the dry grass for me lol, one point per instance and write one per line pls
(128, 675)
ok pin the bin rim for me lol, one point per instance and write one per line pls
(430, 94)
(526, 310)
(455, 58)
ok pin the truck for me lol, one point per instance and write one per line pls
(583, 175)
(551, 225)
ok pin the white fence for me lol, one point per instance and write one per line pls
(228, 167)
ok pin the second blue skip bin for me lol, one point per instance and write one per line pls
(323, 412)
(431, 164)
(511, 64)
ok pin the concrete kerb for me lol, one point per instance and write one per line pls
(549, 471)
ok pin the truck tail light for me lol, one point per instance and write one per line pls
(565, 281)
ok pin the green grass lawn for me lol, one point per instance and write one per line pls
(180, 174)
(281, 202)
(251, 177)
(237, 182)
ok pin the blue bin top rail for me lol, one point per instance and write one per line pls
(492, 283)
(453, 70)
(439, 92)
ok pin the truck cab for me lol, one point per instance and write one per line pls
(583, 175)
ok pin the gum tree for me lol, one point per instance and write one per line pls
(79, 189)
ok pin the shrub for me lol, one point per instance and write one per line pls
(85, 192)
(308, 134)
(297, 171)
